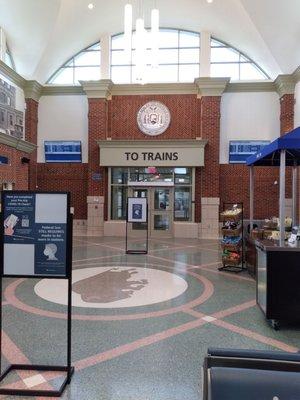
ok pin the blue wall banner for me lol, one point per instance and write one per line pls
(240, 150)
(35, 233)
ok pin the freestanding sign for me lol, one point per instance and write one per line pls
(137, 213)
(137, 209)
(35, 233)
(36, 242)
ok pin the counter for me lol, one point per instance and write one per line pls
(278, 281)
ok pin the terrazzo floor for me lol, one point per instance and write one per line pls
(141, 324)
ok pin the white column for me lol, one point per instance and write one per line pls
(251, 196)
(205, 54)
(105, 56)
(282, 196)
(2, 45)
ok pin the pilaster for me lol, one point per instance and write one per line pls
(31, 130)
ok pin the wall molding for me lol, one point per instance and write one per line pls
(259, 86)
(154, 88)
(12, 75)
(211, 86)
(105, 88)
(33, 90)
(184, 143)
(62, 90)
(97, 89)
(17, 144)
(296, 74)
(285, 84)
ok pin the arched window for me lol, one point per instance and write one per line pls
(9, 59)
(229, 62)
(179, 58)
(83, 66)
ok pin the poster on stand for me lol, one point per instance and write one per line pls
(137, 209)
(35, 233)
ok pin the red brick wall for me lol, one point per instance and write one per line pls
(123, 112)
(97, 130)
(234, 187)
(210, 130)
(66, 177)
(287, 103)
(31, 124)
(15, 172)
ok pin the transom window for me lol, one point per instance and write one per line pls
(83, 66)
(179, 58)
(229, 62)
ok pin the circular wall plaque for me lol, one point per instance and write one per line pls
(154, 118)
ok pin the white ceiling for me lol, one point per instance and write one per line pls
(43, 34)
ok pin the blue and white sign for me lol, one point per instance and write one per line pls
(137, 209)
(240, 150)
(35, 233)
(62, 151)
(3, 160)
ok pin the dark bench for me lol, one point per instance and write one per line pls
(251, 375)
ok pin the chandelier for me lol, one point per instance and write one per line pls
(141, 38)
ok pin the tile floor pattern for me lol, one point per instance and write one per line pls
(146, 350)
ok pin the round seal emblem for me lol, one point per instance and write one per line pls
(153, 118)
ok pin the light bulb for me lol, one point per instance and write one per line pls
(91, 6)
(209, 1)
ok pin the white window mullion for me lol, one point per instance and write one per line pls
(205, 54)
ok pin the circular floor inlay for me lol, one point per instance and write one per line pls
(114, 287)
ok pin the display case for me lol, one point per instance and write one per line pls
(232, 241)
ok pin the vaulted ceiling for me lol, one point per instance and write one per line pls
(43, 34)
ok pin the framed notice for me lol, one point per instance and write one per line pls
(240, 150)
(35, 234)
(137, 209)
(60, 151)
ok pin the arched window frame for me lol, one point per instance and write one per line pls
(178, 64)
(9, 60)
(71, 64)
(242, 59)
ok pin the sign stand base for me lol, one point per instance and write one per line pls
(35, 392)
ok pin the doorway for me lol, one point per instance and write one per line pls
(160, 210)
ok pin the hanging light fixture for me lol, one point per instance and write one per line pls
(128, 32)
(140, 51)
(141, 40)
(154, 37)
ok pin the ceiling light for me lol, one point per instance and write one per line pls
(91, 6)
(209, 1)
(155, 37)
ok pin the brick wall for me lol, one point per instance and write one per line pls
(31, 124)
(210, 130)
(234, 187)
(15, 172)
(66, 177)
(287, 103)
(97, 130)
(123, 111)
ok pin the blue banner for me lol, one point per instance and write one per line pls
(240, 150)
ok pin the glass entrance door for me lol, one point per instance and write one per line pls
(160, 211)
(161, 214)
